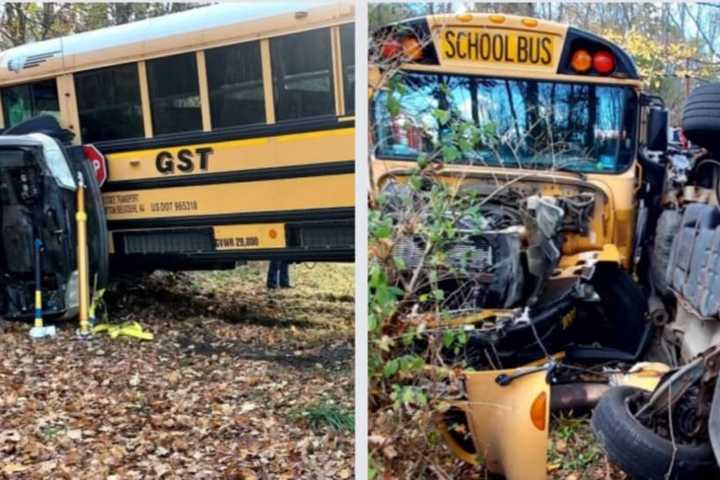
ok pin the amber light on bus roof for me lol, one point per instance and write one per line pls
(581, 61)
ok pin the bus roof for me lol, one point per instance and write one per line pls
(559, 40)
(167, 32)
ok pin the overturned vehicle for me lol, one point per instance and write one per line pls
(674, 431)
(41, 177)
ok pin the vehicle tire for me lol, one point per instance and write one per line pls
(701, 116)
(639, 451)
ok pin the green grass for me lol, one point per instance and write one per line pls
(573, 449)
(331, 415)
(49, 432)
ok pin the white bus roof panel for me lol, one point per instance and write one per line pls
(24, 57)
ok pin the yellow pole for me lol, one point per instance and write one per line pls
(38, 309)
(82, 256)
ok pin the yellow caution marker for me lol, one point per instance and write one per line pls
(38, 308)
(82, 258)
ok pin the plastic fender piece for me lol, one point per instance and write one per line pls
(503, 431)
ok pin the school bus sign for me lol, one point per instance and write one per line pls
(496, 46)
(502, 43)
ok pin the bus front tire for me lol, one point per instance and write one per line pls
(639, 451)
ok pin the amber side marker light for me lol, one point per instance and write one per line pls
(273, 233)
(604, 62)
(581, 61)
(411, 48)
(537, 411)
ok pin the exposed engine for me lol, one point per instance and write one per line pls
(518, 247)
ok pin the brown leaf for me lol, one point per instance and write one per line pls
(9, 436)
(390, 452)
(561, 446)
(13, 468)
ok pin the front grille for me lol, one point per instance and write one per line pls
(475, 256)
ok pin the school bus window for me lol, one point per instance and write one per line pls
(109, 103)
(347, 48)
(21, 102)
(174, 94)
(302, 82)
(235, 85)
(513, 123)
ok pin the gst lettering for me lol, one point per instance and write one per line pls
(185, 161)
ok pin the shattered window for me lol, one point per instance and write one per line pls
(507, 122)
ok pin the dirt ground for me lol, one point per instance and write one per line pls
(239, 382)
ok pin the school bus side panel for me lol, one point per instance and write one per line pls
(310, 148)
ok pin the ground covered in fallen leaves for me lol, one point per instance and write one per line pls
(239, 382)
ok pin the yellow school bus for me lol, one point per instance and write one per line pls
(227, 130)
(551, 126)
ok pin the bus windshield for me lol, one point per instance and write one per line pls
(515, 123)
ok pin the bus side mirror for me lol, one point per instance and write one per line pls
(658, 121)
